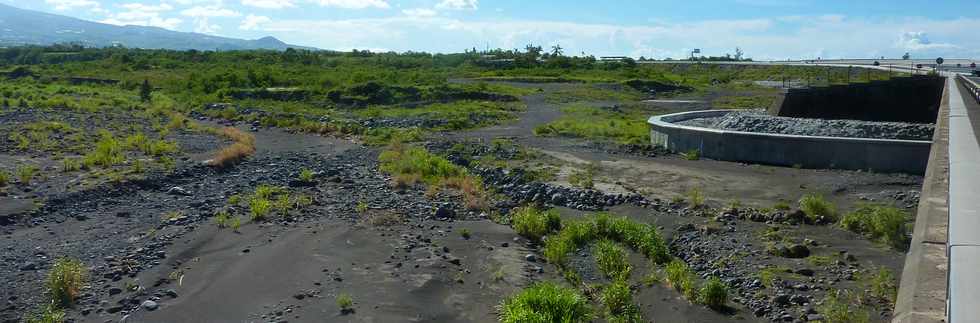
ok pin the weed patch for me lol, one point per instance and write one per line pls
(880, 222)
(545, 302)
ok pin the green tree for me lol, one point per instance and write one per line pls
(146, 91)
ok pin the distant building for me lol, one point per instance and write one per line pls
(613, 58)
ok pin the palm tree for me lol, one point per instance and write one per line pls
(556, 50)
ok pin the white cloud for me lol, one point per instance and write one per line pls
(269, 4)
(801, 37)
(458, 4)
(143, 15)
(209, 11)
(63, 5)
(252, 22)
(354, 4)
(917, 41)
(419, 12)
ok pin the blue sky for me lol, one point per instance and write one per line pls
(764, 29)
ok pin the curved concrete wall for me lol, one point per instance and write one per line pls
(880, 155)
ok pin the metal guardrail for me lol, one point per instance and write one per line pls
(973, 84)
(963, 246)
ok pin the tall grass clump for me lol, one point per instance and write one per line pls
(243, 146)
(4, 178)
(879, 222)
(618, 301)
(573, 234)
(66, 280)
(840, 307)
(545, 302)
(818, 209)
(681, 278)
(695, 197)
(612, 260)
(714, 293)
(25, 173)
(108, 152)
(534, 223)
(400, 159)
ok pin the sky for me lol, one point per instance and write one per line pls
(763, 29)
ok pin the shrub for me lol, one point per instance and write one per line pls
(837, 308)
(617, 297)
(817, 208)
(50, 313)
(465, 233)
(681, 277)
(4, 178)
(243, 146)
(692, 154)
(431, 169)
(265, 191)
(222, 219)
(883, 285)
(65, 281)
(306, 175)
(533, 223)
(714, 293)
(612, 260)
(880, 222)
(545, 302)
(781, 205)
(345, 303)
(25, 173)
(259, 208)
(361, 207)
(70, 165)
(695, 197)
(108, 152)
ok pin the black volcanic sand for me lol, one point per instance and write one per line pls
(417, 268)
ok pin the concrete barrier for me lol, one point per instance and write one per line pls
(880, 155)
(964, 207)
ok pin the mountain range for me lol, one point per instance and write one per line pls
(28, 27)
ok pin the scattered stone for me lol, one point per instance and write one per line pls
(150, 305)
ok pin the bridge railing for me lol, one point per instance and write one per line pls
(973, 85)
(963, 244)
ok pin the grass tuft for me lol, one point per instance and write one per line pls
(612, 260)
(545, 302)
(66, 280)
(818, 209)
(534, 223)
(714, 293)
(243, 146)
(880, 222)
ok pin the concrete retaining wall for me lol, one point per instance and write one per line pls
(904, 99)
(880, 155)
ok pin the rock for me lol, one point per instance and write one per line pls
(444, 212)
(530, 258)
(150, 305)
(805, 272)
(814, 317)
(115, 290)
(28, 266)
(177, 190)
(781, 299)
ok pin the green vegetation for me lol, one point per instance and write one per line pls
(259, 208)
(695, 197)
(545, 302)
(692, 154)
(816, 208)
(626, 126)
(465, 233)
(534, 223)
(617, 298)
(306, 175)
(887, 224)
(4, 178)
(612, 260)
(593, 93)
(66, 280)
(222, 219)
(682, 278)
(757, 100)
(714, 293)
(884, 285)
(840, 307)
(361, 207)
(457, 115)
(584, 178)
(345, 303)
(400, 159)
(781, 206)
(25, 173)
(48, 314)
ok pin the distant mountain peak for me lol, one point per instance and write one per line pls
(28, 27)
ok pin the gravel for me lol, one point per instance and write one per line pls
(758, 121)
